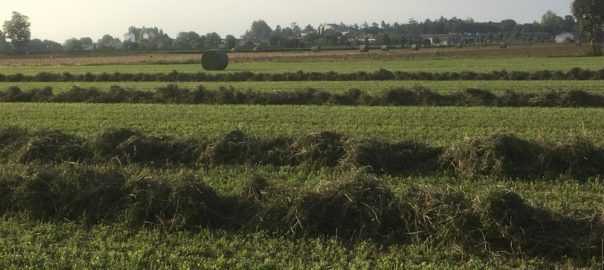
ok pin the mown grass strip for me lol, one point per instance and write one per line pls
(240, 76)
(172, 94)
(356, 207)
(371, 87)
(500, 155)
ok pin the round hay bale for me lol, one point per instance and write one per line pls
(364, 48)
(503, 45)
(214, 60)
(315, 49)
(415, 47)
(460, 46)
(256, 49)
(385, 48)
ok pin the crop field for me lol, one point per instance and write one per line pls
(431, 65)
(142, 57)
(368, 182)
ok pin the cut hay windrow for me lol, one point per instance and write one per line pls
(355, 207)
(497, 155)
(173, 94)
(242, 76)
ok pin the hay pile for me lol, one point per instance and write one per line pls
(511, 224)
(185, 202)
(352, 208)
(71, 193)
(237, 147)
(126, 146)
(383, 157)
(54, 146)
(322, 149)
(501, 155)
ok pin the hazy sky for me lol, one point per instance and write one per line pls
(61, 19)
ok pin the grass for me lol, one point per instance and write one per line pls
(26, 243)
(435, 125)
(444, 65)
(37, 245)
(58, 246)
(497, 87)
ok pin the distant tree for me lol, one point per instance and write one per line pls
(276, 40)
(260, 31)
(129, 45)
(568, 24)
(552, 22)
(34, 45)
(404, 40)
(188, 40)
(51, 45)
(73, 44)
(590, 15)
(4, 45)
(108, 42)
(309, 29)
(230, 42)
(508, 25)
(384, 39)
(17, 30)
(249, 44)
(86, 42)
(213, 40)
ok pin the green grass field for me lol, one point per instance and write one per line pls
(445, 65)
(439, 125)
(496, 87)
(38, 244)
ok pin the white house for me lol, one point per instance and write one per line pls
(149, 35)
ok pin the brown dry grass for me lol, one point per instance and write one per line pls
(105, 58)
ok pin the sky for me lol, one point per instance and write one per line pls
(62, 19)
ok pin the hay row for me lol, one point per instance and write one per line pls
(498, 155)
(172, 94)
(356, 207)
(379, 75)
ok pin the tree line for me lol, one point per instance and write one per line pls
(588, 15)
